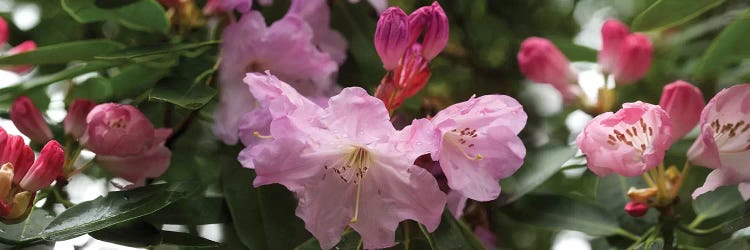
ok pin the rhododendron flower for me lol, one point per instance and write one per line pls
(479, 144)
(542, 62)
(285, 48)
(624, 54)
(628, 142)
(724, 142)
(347, 171)
(683, 102)
(317, 14)
(27, 118)
(126, 143)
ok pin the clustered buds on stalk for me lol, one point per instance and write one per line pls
(406, 45)
(21, 176)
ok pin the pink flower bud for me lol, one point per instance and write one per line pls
(3, 31)
(115, 129)
(14, 150)
(684, 103)
(636, 209)
(613, 34)
(75, 121)
(45, 169)
(392, 36)
(542, 62)
(433, 20)
(29, 120)
(634, 59)
(21, 48)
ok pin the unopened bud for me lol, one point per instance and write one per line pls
(75, 121)
(435, 24)
(20, 206)
(3, 31)
(634, 59)
(21, 48)
(540, 61)
(45, 169)
(29, 120)
(636, 209)
(613, 34)
(683, 103)
(392, 36)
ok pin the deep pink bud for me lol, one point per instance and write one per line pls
(45, 169)
(14, 150)
(634, 59)
(392, 36)
(683, 103)
(636, 209)
(29, 120)
(23, 47)
(116, 129)
(75, 121)
(434, 22)
(613, 34)
(542, 62)
(3, 31)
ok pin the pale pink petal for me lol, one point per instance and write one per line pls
(419, 138)
(317, 14)
(485, 111)
(280, 162)
(744, 188)
(327, 215)
(717, 178)
(363, 113)
(613, 34)
(704, 151)
(136, 169)
(456, 203)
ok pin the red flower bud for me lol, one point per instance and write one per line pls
(636, 209)
(14, 150)
(613, 34)
(542, 62)
(434, 22)
(3, 31)
(683, 103)
(75, 121)
(21, 48)
(45, 169)
(634, 59)
(29, 120)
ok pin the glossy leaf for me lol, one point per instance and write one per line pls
(349, 240)
(559, 212)
(144, 15)
(27, 230)
(115, 208)
(63, 52)
(540, 165)
(728, 47)
(186, 240)
(667, 13)
(452, 234)
(137, 234)
(183, 94)
(152, 50)
(717, 202)
(196, 211)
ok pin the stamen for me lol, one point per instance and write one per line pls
(257, 134)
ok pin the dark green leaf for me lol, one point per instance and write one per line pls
(575, 52)
(63, 52)
(349, 240)
(729, 244)
(110, 4)
(29, 229)
(187, 240)
(729, 46)
(452, 234)
(668, 13)
(97, 89)
(559, 212)
(183, 94)
(137, 234)
(657, 244)
(717, 202)
(196, 211)
(115, 208)
(540, 165)
(133, 80)
(145, 15)
(151, 50)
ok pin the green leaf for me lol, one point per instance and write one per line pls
(540, 165)
(575, 52)
(152, 50)
(728, 244)
(63, 52)
(452, 234)
(729, 46)
(144, 15)
(27, 230)
(98, 89)
(115, 208)
(668, 13)
(264, 217)
(183, 94)
(717, 202)
(196, 211)
(559, 212)
(136, 234)
(657, 244)
(187, 240)
(133, 80)
(349, 240)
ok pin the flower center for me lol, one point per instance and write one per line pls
(632, 137)
(461, 139)
(353, 167)
(725, 136)
(117, 123)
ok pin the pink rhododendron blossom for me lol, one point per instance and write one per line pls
(75, 120)
(613, 33)
(724, 142)
(29, 120)
(285, 48)
(347, 171)
(126, 143)
(317, 14)
(542, 62)
(683, 102)
(628, 142)
(479, 144)
(634, 59)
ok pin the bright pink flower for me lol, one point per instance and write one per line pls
(634, 59)
(613, 33)
(317, 14)
(629, 142)
(21, 48)
(45, 169)
(723, 142)
(29, 120)
(392, 36)
(479, 144)
(345, 170)
(542, 62)
(75, 121)
(125, 142)
(285, 48)
(13, 150)
(434, 22)
(4, 32)
(683, 102)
